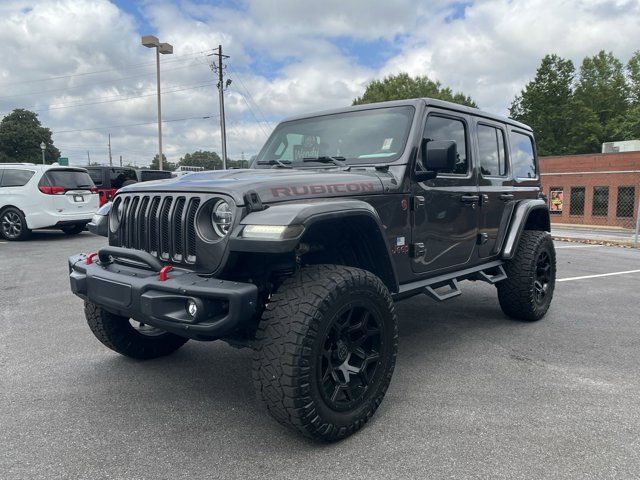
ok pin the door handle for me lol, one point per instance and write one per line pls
(506, 196)
(470, 198)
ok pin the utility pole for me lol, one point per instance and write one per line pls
(120, 160)
(221, 87)
(110, 159)
(88, 158)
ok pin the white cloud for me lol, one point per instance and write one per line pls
(489, 54)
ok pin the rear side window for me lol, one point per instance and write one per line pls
(16, 178)
(96, 176)
(121, 175)
(450, 129)
(492, 151)
(523, 162)
(69, 179)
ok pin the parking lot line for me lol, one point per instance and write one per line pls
(596, 276)
(577, 246)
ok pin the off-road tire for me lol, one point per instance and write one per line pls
(288, 349)
(15, 215)
(73, 229)
(517, 294)
(117, 333)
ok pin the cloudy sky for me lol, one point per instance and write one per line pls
(79, 63)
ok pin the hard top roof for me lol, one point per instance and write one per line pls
(415, 102)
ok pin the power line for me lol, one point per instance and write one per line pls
(135, 124)
(235, 74)
(44, 92)
(116, 98)
(177, 58)
(251, 112)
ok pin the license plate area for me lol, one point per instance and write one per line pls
(78, 198)
(108, 292)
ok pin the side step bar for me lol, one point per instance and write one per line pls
(492, 273)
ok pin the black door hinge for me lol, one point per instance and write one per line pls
(417, 250)
(417, 202)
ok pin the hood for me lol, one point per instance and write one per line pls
(272, 185)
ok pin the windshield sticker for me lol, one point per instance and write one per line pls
(308, 149)
(387, 143)
(400, 242)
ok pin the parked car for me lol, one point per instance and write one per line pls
(44, 196)
(109, 179)
(302, 256)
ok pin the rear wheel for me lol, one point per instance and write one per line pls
(73, 229)
(13, 225)
(325, 350)
(527, 292)
(128, 337)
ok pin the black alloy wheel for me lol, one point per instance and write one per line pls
(350, 356)
(543, 277)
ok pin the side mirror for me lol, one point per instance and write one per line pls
(99, 224)
(439, 155)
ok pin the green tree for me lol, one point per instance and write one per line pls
(603, 89)
(20, 136)
(202, 158)
(166, 165)
(402, 86)
(633, 70)
(546, 104)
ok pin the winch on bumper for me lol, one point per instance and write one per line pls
(179, 301)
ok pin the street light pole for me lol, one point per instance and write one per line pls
(43, 147)
(151, 41)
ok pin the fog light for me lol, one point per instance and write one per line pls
(192, 308)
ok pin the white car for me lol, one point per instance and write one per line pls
(44, 196)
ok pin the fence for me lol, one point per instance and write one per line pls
(594, 196)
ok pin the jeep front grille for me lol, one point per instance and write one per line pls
(163, 225)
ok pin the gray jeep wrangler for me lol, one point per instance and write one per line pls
(302, 256)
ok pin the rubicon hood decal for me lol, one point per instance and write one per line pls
(272, 185)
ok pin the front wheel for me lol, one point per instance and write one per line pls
(128, 337)
(531, 278)
(325, 350)
(73, 229)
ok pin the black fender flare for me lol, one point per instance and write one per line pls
(307, 214)
(519, 219)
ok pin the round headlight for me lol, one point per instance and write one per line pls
(116, 213)
(221, 217)
(120, 211)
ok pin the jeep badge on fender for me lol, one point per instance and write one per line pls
(302, 256)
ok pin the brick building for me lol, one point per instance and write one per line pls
(593, 189)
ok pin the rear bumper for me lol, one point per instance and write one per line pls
(47, 219)
(135, 292)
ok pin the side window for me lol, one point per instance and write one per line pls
(16, 178)
(523, 162)
(121, 175)
(450, 129)
(492, 151)
(96, 176)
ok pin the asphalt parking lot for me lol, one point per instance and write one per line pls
(474, 394)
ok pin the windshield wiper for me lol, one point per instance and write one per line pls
(280, 163)
(339, 161)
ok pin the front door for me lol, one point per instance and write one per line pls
(445, 209)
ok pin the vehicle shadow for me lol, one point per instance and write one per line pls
(54, 235)
(210, 383)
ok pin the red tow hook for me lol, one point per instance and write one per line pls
(163, 273)
(89, 259)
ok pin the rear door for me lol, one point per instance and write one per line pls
(76, 191)
(495, 186)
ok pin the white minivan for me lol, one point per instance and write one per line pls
(44, 196)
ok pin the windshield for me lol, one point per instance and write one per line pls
(359, 137)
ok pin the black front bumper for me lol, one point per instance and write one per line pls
(137, 292)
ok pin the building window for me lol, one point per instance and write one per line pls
(492, 152)
(576, 205)
(556, 200)
(600, 201)
(626, 205)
